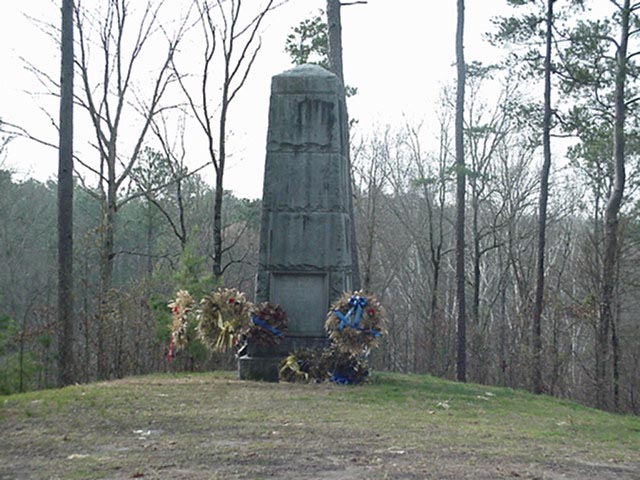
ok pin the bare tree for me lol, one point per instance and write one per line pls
(167, 169)
(488, 128)
(240, 45)
(109, 92)
(369, 160)
(419, 181)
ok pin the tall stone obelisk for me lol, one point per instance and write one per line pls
(305, 254)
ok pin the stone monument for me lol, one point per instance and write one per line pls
(305, 251)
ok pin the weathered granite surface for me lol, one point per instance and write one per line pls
(305, 254)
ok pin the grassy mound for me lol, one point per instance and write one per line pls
(213, 426)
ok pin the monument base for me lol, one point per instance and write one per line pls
(263, 363)
(258, 368)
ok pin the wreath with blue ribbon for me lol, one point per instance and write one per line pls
(268, 324)
(316, 366)
(356, 322)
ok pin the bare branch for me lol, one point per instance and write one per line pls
(161, 186)
(43, 78)
(246, 73)
(256, 26)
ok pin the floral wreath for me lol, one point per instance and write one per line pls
(222, 318)
(181, 313)
(355, 322)
(306, 366)
(268, 324)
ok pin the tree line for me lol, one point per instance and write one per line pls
(151, 261)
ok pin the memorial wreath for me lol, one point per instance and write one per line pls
(355, 322)
(268, 324)
(306, 366)
(223, 316)
(181, 320)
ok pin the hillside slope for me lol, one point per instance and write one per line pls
(210, 426)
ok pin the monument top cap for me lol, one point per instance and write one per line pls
(310, 69)
(306, 79)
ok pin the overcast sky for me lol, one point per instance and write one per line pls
(398, 53)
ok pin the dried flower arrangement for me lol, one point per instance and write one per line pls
(355, 322)
(268, 324)
(223, 316)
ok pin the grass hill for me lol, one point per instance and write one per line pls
(209, 426)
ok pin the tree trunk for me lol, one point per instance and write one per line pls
(476, 341)
(434, 310)
(611, 214)
(436, 259)
(477, 254)
(66, 369)
(219, 193)
(217, 228)
(372, 195)
(615, 351)
(334, 25)
(86, 322)
(461, 364)
(536, 336)
(150, 233)
(107, 257)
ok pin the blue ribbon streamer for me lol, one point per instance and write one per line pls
(339, 379)
(347, 375)
(266, 326)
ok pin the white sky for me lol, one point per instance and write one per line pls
(398, 53)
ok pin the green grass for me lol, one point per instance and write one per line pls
(505, 417)
(397, 426)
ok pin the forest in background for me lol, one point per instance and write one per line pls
(147, 225)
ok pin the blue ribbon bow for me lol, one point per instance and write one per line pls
(266, 326)
(357, 303)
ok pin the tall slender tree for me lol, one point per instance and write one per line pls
(537, 383)
(612, 210)
(334, 26)
(601, 78)
(530, 30)
(66, 368)
(461, 362)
